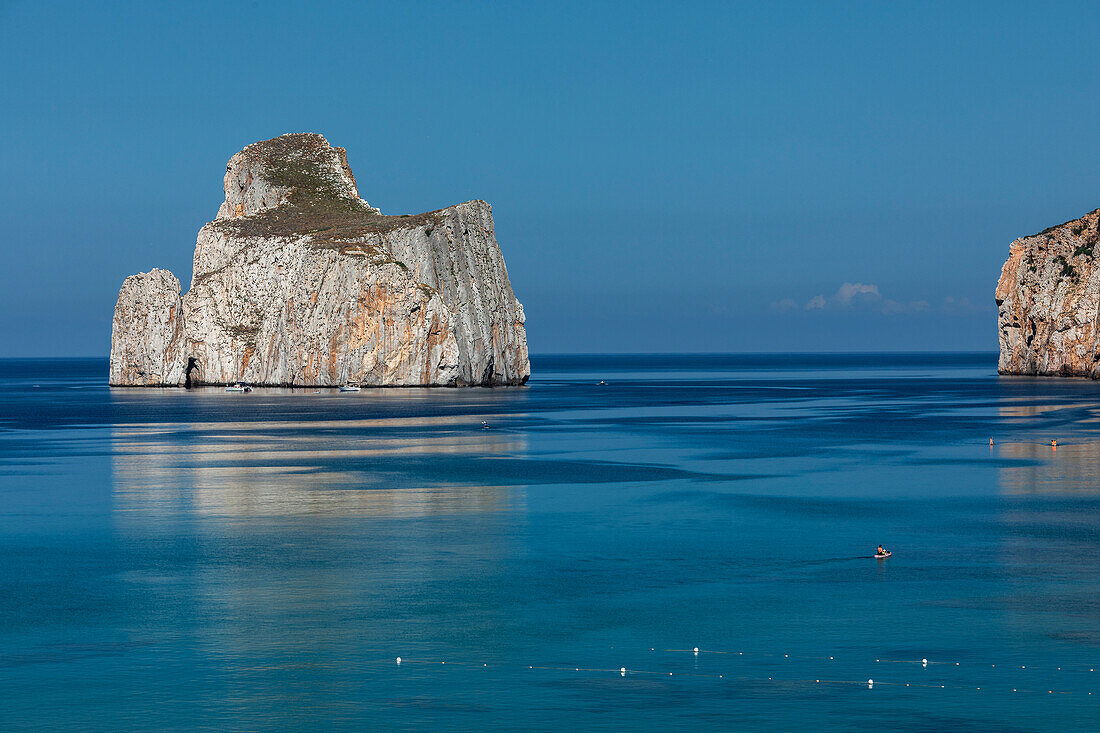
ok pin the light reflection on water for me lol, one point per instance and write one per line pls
(1072, 467)
(286, 468)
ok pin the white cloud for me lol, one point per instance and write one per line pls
(867, 296)
(845, 295)
(847, 291)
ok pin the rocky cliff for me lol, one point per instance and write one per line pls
(298, 281)
(1048, 301)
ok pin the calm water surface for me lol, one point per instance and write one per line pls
(179, 560)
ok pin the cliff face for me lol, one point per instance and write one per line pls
(1048, 301)
(298, 281)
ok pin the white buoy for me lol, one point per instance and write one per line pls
(696, 650)
(870, 684)
(399, 660)
(924, 662)
(622, 671)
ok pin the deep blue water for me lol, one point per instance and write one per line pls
(177, 560)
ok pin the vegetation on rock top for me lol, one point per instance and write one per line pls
(318, 204)
(1085, 221)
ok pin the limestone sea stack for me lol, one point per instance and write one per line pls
(300, 282)
(1048, 301)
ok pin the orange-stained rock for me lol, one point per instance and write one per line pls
(147, 331)
(300, 282)
(1048, 301)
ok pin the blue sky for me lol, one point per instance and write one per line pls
(664, 177)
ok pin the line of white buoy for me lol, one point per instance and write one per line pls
(924, 662)
(623, 671)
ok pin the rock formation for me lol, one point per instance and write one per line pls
(1048, 301)
(298, 281)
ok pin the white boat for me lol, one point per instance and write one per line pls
(238, 387)
(351, 386)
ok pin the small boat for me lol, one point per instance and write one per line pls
(881, 555)
(351, 386)
(238, 387)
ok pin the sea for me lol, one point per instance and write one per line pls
(629, 543)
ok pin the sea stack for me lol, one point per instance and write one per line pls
(1048, 302)
(300, 282)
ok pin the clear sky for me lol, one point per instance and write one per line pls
(664, 177)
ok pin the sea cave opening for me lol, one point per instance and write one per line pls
(193, 375)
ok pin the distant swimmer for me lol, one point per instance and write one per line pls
(1054, 444)
(484, 425)
(991, 441)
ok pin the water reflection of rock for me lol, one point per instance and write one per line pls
(337, 468)
(1046, 525)
(1072, 468)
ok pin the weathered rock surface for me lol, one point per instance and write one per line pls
(149, 304)
(298, 281)
(1048, 301)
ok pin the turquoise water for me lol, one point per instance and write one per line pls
(181, 560)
